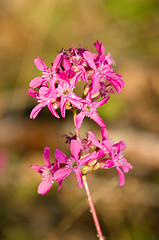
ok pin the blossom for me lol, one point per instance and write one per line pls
(47, 172)
(72, 164)
(47, 73)
(46, 97)
(103, 72)
(89, 110)
(117, 160)
(65, 92)
(113, 150)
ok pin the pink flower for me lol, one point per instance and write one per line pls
(117, 160)
(89, 109)
(72, 164)
(47, 173)
(47, 73)
(107, 147)
(65, 92)
(103, 72)
(46, 97)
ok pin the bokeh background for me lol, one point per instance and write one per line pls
(129, 29)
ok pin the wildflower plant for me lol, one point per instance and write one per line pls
(55, 88)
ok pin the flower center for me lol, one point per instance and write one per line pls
(87, 109)
(65, 92)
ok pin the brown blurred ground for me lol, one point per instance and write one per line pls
(129, 30)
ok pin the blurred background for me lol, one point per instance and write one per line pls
(129, 29)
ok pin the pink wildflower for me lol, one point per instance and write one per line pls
(117, 160)
(46, 97)
(72, 164)
(107, 147)
(47, 172)
(89, 110)
(65, 92)
(103, 72)
(47, 73)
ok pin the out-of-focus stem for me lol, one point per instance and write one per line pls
(92, 209)
(74, 119)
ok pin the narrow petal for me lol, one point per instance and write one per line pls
(60, 174)
(35, 111)
(105, 134)
(109, 163)
(63, 106)
(36, 82)
(99, 47)
(52, 110)
(101, 102)
(37, 168)
(57, 62)
(98, 119)
(88, 158)
(79, 119)
(46, 156)
(95, 84)
(121, 177)
(60, 156)
(79, 177)
(75, 148)
(93, 139)
(40, 64)
(89, 57)
(45, 186)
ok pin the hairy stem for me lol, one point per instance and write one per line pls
(92, 209)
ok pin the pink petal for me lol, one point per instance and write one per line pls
(75, 148)
(89, 57)
(40, 64)
(93, 139)
(105, 134)
(79, 177)
(45, 186)
(60, 174)
(98, 119)
(63, 106)
(52, 110)
(79, 119)
(35, 111)
(46, 156)
(99, 47)
(36, 168)
(36, 82)
(60, 156)
(121, 177)
(56, 62)
(101, 102)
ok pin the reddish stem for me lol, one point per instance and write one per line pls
(92, 209)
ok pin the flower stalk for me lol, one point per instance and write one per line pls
(92, 209)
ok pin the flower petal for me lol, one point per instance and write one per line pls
(79, 177)
(60, 174)
(121, 177)
(75, 148)
(60, 156)
(45, 186)
(36, 82)
(40, 64)
(46, 156)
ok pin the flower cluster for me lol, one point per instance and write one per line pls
(56, 89)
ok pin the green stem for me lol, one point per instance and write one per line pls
(74, 119)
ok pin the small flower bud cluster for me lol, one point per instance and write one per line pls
(56, 88)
